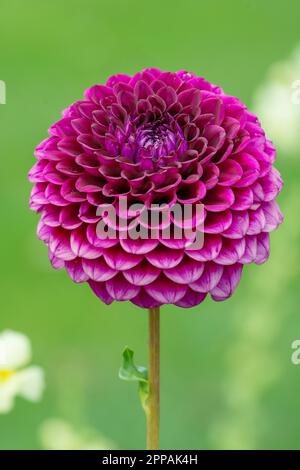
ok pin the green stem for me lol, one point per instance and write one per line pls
(153, 399)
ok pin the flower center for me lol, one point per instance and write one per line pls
(6, 374)
(157, 138)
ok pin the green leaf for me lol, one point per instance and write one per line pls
(132, 373)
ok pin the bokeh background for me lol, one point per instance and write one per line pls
(227, 377)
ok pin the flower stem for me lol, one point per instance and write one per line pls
(153, 399)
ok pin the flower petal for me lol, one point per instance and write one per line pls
(81, 247)
(165, 291)
(59, 244)
(97, 269)
(76, 271)
(239, 225)
(210, 250)
(191, 299)
(142, 274)
(228, 282)
(232, 250)
(209, 279)
(120, 260)
(139, 246)
(120, 289)
(257, 221)
(15, 350)
(272, 215)
(263, 248)
(187, 271)
(218, 199)
(99, 288)
(31, 383)
(164, 258)
(250, 250)
(144, 300)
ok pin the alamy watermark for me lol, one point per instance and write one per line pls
(295, 357)
(295, 96)
(2, 92)
(139, 221)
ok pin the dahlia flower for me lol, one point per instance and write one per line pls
(157, 138)
(15, 378)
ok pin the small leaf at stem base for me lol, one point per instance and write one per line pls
(132, 373)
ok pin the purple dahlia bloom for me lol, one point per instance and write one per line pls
(157, 137)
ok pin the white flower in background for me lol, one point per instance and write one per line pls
(57, 434)
(277, 103)
(15, 378)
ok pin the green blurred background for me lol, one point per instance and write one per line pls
(227, 378)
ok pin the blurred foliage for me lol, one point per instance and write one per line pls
(56, 434)
(227, 379)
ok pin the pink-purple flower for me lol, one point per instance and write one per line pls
(157, 138)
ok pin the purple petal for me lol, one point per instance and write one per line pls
(120, 289)
(81, 247)
(250, 250)
(36, 174)
(191, 299)
(69, 146)
(144, 300)
(228, 282)
(59, 244)
(168, 94)
(139, 246)
(53, 195)
(56, 262)
(272, 215)
(98, 270)
(218, 199)
(88, 184)
(94, 240)
(257, 221)
(210, 250)
(70, 193)
(43, 231)
(243, 199)
(271, 184)
(175, 243)
(164, 258)
(210, 175)
(230, 172)
(50, 215)
(209, 279)
(217, 222)
(165, 291)
(99, 288)
(215, 136)
(75, 270)
(68, 217)
(142, 274)
(263, 248)
(118, 259)
(250, 168)
(239, 225)
(142, 90)
(232, 250)
(186, 272)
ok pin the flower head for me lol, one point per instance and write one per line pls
(15, 353)
(157, 139)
